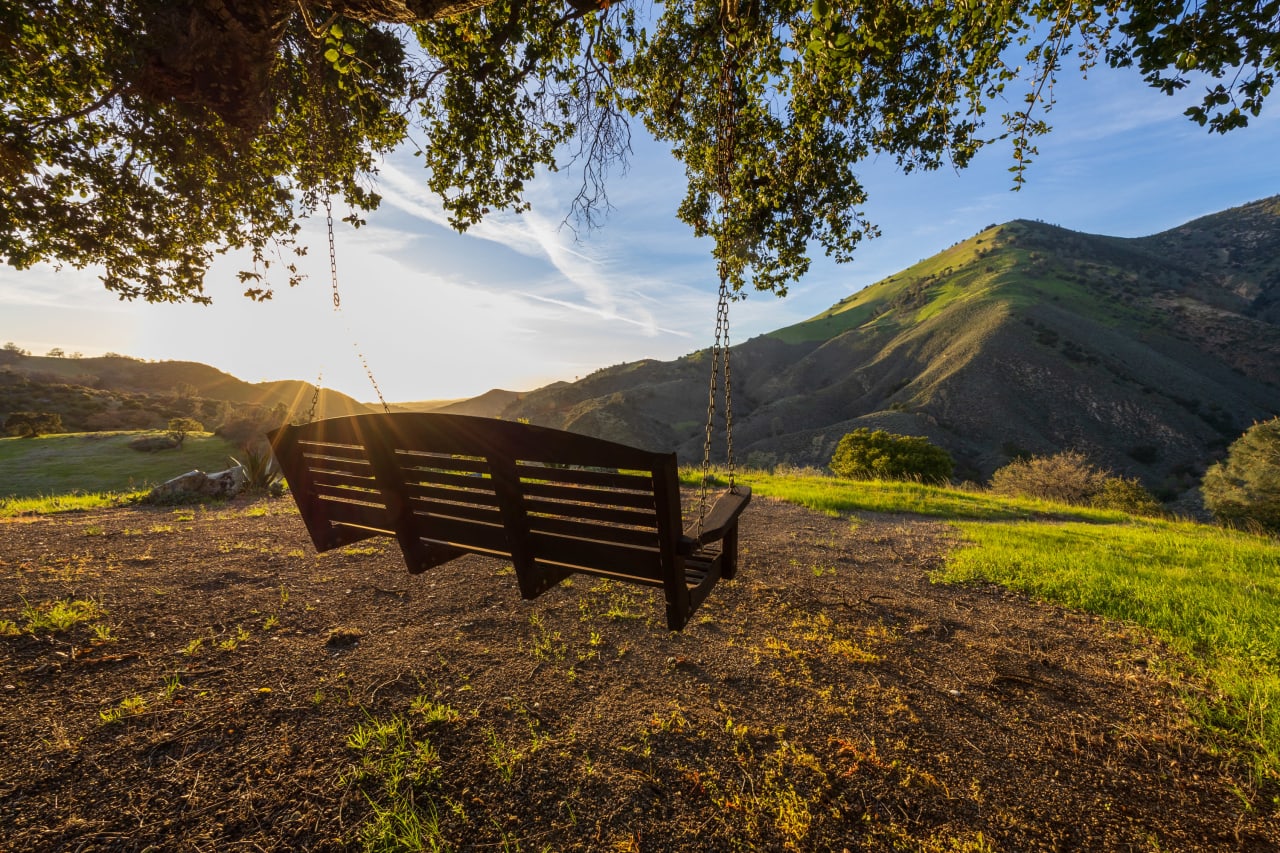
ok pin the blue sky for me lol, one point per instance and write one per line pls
(518, 302)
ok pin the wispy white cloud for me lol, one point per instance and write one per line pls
(43, 286)
(582, 277)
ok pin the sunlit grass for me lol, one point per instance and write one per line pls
(41, 505)
(833, 496)
(99, 462)
(1213, 595)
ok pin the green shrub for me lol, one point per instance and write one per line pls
(1127, 495)
(260, 468)
(1066, 477)
(32, 424)
(1245, 487)
(867, 455)
(152, 443)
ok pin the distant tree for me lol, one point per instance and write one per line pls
(248, 427)
(56, 352)
(1066, 477)
(14, 349)
(1244, 488)
(863, 454)
(32, 424)
(180, 428)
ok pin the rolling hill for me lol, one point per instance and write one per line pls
(1148, 354)
(90, 392)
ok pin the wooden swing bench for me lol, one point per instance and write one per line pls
(552, 502)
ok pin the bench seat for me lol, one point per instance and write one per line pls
(554, 503)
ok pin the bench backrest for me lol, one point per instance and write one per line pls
(445, 484)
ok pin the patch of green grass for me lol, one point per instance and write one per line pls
(129, 707)
(233, 640)
(834, 496)
(43, 505)
(503, 756)
(55, 616)
(99, 462)
(397, 772)
(433, 711)
(545, 644)
(1212, 595)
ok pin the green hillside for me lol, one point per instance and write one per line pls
(1147, 354)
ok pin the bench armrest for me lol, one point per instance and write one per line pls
(721, 519)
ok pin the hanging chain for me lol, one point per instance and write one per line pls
(315, 398)
(337, 307)
(333, 255)
(726, 128)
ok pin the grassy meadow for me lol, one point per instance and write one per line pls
(1211, 596)
(88, 463)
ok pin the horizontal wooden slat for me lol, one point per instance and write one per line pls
(640, 562)
(440, 478)
(363, 515)
(328, 463)
(601, 532)
(451, 531)
(613, 515)
(487, 514)
(347, 492)
(440, 493)
(342, 478)
(410, 459)
(581, 477)
(335, 451)
(588, 495)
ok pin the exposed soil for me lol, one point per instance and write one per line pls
(829, 698)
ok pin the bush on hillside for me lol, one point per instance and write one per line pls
(153, 443)
(863, 454)
(249, 428)
(1065, 477)
(32, 424)
(1069, 477)
(122, 419)
(1127, 495)
(1245, 487)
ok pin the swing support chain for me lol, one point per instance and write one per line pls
(337, 309)
(726, 128)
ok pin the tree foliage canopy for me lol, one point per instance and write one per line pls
(147, 136)
(869, 455)
(1244, 488)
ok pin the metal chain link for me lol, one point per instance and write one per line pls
(315, 398)
(337, 307)
(726, 128)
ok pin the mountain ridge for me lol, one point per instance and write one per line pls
(1149, 354)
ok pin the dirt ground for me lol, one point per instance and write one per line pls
(829, 698)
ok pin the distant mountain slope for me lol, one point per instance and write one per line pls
(490, 404)
(1148, 354)
(177, 378)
